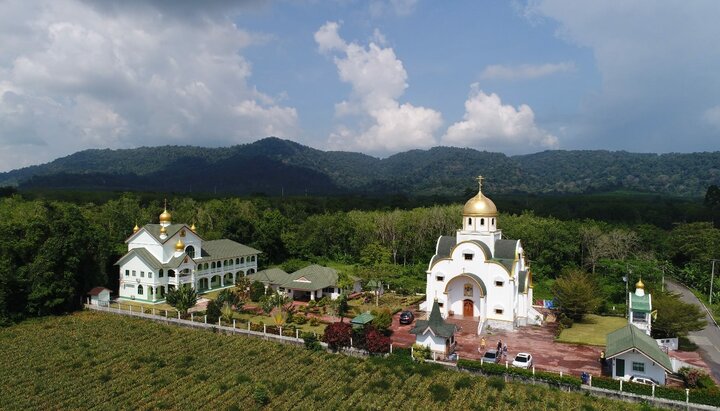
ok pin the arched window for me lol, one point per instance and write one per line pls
(493, 221)
(237, 261)
(212, 265)
(140, 290)
(160, 273)
(171, 273)
(469, 221)
(242, 260)
(482, 221)
(190, 250)
(253, 258)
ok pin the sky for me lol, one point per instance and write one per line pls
(375, 76)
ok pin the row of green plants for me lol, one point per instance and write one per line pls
(708, 394)
(94, 360)
(490, 368)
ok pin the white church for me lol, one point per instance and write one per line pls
(478, 275)
(164, 256)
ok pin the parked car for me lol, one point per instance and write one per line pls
(643, 380)
(523, 360)
(491, 355)
(406, 317)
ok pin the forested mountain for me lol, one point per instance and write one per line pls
(274, 166)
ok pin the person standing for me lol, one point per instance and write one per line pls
(482, 343)
(504, 351)
(499, 346)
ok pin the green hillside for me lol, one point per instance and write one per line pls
(102, 361)
(273, 167)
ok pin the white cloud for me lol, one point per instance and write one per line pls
(378, 80)
(80, 74)
(656, 64)
(525, 71)
(397, 7)
(712, 116)
(490, 125)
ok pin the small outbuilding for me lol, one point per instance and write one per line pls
(634, 353)
(362, 320)
(435, 333)
(100, 296)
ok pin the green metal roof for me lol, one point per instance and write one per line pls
(435, 324)
(640, 303)
(632, 338)
(272, 276)
(505, 249)
(362, 319)
(312, 277)
(219, 249)
(522, 281)
(142, 253)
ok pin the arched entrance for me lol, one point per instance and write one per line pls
(468, 308)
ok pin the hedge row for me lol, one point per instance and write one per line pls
(497, 369)
(696, 396)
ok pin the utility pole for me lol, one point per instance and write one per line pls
(712, 277)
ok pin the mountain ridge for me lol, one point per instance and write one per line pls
(274, 166)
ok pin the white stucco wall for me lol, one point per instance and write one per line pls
(435, 343)
(652, 370)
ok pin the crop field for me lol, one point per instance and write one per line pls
(101, 361)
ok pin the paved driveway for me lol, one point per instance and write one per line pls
(708, 339)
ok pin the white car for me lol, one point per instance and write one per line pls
(523, 360)
(643, 380)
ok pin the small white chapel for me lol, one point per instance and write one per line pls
(477, 274)
(164, 256)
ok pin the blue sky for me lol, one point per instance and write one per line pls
(377, 76)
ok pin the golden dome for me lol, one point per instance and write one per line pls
(179, 246)
(136, 229)
(640, 284)
(480, 206)
(163, 230)
(165, 217)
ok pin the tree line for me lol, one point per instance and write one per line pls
(52, 252)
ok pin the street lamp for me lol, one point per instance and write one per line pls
(712, 277)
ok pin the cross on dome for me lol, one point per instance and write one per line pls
(480, 181)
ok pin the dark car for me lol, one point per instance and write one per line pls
(406, 317)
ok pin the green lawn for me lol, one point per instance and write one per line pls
(592, 330)
(391, 301)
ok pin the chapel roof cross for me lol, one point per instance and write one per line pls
(480, 181)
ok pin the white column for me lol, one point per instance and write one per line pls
(312, 295)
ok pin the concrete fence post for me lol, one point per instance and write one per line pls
(621, 381)
(590, 383)
(280, 331)
(192, 317)
(297, 333)
(233, 323)
(131, 309)
(560, 374)
(178, 315)
(265, 329)
(153, 311)
(219, 323)
(687, 395)
(533, 370)
(166, 314)
(412, 353)
(482, 361)
(248, 325)
(434, 357)
(205, 319)
(506, 367)
(350, 342)
(653, 391)
(390, 348)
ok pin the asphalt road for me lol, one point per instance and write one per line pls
(708, 339)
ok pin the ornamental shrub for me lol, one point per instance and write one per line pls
(311, 342)
(337, 335)
(421, 352)
(257, 290)
(376, 342)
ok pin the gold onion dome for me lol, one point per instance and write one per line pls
(640, 284)
(136, 228)
(179, 246)
(192, 227)
(163, 230)
(165, 217)
(480, 206)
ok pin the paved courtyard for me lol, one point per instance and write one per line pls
(539, 341)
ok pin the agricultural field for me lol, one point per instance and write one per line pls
(97, 360)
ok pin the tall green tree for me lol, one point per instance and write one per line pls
(576, 294)
(182, 298)
(675, 318)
